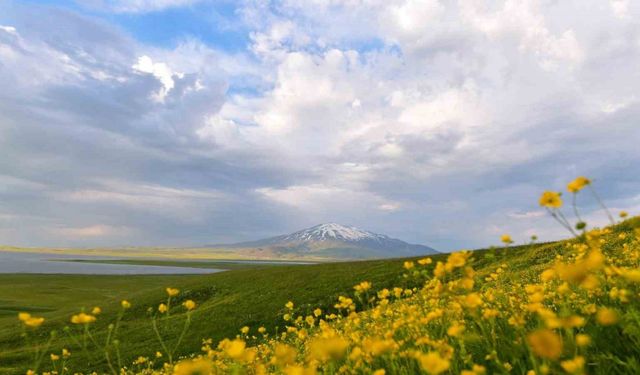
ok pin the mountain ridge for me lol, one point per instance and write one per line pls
(334, 241)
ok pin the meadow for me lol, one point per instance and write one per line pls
(567, 307)
(248, 294)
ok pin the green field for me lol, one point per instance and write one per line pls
(228, 300)
(253, 296)
(207, 264)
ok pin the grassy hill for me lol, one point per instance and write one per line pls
(227, 301)
(252, 297)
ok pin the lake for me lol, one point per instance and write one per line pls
(14, 262)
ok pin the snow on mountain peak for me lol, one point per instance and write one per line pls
(331, 231)
(337, 241)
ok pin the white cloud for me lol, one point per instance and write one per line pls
(390, 206)
(319, 197)
(97, 230)
(160, 71)
(371, 112)
(171, 201)
(527, 214)
(135, 6)
(9, 29)
(620, 8)
(524, 21)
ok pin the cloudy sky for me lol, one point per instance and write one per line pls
(186, 122)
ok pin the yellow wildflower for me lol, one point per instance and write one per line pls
(455, 330)
(125, 304)
(433, 363)
(82, 318)
(299, 370)
(96, 310)
(189, 304)
(23, 316)
(199, 366)
(551, 199)
(574, 366)
(284, 354)
(632, 275)
(30, 321)
(582, 339)
(324, 349)
(472, 300)
(162, 308)
(607, 316)
(506, 239)
(425, 261)
(545, 343)
(376, 346)
(362, 287)
(578, 184)
(172, 292)
(310, 320)
(490, 313)
(234, 348)
(140, 360)
(457, 259)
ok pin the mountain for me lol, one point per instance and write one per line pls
(331, 241)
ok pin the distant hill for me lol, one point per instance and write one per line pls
(330, 241)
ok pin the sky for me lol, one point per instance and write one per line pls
(191, 122)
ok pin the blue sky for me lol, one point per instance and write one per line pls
(188, 122)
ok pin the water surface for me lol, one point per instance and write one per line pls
(14, 262)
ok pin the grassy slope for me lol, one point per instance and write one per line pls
(209, 264)
(228, 300)
(169, 253)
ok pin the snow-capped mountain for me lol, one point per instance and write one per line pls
(332, 231)
(333, 241)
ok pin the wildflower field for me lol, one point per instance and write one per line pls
(568, 307)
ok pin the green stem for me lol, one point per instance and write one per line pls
(160, 340)
(575, 208)
(561, 219)
(567, 223)
(42, 354)
(595, 194)
(75, 341)
(109, 331)
(119, 358)
(105, 349)
(187, 323)
(108, 358)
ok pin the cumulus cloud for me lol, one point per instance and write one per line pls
(322, 198)
(437, 122)
(135, 6)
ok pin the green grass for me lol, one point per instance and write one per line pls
(208, 264)
(227, 301)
